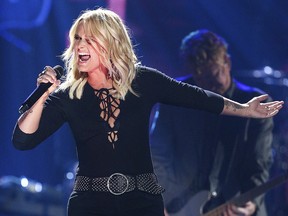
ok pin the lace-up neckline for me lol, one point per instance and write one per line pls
(110, 111)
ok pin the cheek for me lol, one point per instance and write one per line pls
(94, 60)
(93, 53)
(226, 76)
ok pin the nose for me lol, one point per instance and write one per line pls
(82, 43)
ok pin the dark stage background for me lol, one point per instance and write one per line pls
(33, 34)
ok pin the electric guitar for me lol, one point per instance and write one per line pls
(197, 205)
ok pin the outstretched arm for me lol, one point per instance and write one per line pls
(253, 108)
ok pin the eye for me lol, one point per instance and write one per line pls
(77, 37)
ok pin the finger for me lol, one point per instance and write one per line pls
(40, 78)
(277, 105)
(274, 110)
(231, 212)
(228, 210)
(235, 210)
(44, 79)
(42, 73)
(225, 212)
(270, 109)
(50, 72)
(272, 103)
(47, 75)
(273, 113)
(262, 97)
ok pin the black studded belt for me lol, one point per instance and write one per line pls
(118, 183)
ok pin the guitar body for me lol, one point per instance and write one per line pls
(199, 204)
(194, 205)
(202, 205)
(211, 203)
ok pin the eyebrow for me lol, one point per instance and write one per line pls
(86, 38)
(76, 35)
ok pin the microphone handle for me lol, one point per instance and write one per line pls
(34, 96)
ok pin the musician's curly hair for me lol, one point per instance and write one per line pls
(201, 48)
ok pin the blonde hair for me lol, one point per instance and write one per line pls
(115, 53)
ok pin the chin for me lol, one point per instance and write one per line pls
(81, 68)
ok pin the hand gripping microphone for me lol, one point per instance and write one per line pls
(39, 91)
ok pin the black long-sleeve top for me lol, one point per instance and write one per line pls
(130, 153)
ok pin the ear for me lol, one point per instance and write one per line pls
(227, 60)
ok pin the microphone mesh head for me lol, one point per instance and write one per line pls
(59, 71)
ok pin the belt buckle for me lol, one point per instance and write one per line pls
(117, 183)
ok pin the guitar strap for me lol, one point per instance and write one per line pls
(218, 161)
(215, 175)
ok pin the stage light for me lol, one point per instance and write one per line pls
(24, 182)
(69, 175)
(38, 187)
(268, 70)
(277, 74)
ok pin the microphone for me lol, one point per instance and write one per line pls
(39, 91)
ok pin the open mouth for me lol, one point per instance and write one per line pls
(84, 57)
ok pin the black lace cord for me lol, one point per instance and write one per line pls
(109, 106)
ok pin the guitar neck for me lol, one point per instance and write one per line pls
(249, 195)
(257, 191)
